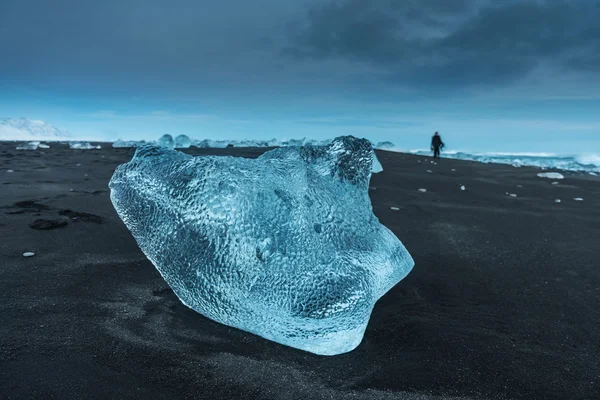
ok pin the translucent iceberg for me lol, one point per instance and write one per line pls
(182, 142)
(166, 141)
(285, 246)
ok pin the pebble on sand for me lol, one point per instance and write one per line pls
(422, 190)
(28, 254)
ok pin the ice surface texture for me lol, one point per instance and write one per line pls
(285, 246)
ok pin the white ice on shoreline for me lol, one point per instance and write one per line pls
(551, 175)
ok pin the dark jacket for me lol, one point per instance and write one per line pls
(436, 141)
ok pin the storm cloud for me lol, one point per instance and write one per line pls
(432, 44)
(453, 43)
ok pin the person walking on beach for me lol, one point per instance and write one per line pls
(436, 145)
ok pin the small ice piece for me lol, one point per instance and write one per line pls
(519, 186)
(285, 246)
(376, 168)
(43, 146)
(512, 195)
(9, 170)
(453, 169)
(430, 171)
(182, 142)
(79, 165)
(29, 146)
(557, 201)
(555, 183)
(462, 187)
(578, 199)
(28, 254)
(166, 141)
(422, 190)
(593, 173)
(551, 175)
(395, 208)
(70, 190)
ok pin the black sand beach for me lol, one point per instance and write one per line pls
(503, 302)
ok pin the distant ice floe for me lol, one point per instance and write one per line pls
(551, 175)
(83, 146)
(585, 162)
(119, 144)
(28, 146)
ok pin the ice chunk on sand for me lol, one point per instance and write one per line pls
(166, 141)
(551, 175)
(83, 146)
(422, 190)
(395, 208)
(557, 201)
(429, 171)
(182, 142)
(512, 195)
(555, 183)
(285, 246)
(28, 254)
(462, 187)
(578, 199)
(43, 146)
(593, 173)
(377, 168)
(9, 170)
(29, 146)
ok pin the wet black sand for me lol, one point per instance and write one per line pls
(503, 303)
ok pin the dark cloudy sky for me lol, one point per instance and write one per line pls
(502, 75)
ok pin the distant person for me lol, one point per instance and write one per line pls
(436, 145)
